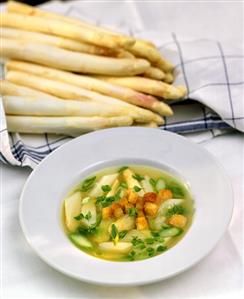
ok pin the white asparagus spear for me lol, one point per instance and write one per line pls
(25, 9)
(141, 48)
(125, 94)
(169, 78)
(16, 105)
(73, 126)
(150, 86)
(64, 29)
(57, 41)
(9, 88)
(68, 91)
(71, 61)
(154, 73)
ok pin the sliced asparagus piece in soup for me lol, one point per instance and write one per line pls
(160, 185)
(72, 208)
(80, 240)
(157, 222)
(146, 184)
(134, 233)
(114, 188)
(105, 180)
(120, 247)
(89, 213)
(126, 222)
(168, 204)
(170, 232)
(102, 234)
(132, 182)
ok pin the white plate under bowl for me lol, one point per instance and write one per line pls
(46, 187)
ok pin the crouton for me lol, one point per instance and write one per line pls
(141, 223)
(123, 202)
(107, 213)
(164, 195)
(115, 206)
(151, 209)
(118, 212)
(150, 197)
(178, 221)
(132, 197)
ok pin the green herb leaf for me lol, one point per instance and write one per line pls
(153, 184)
(122, 234)
(149, 240)
(123, 185)
(161, 248)
(138, 177)
(114, 231)
(122, 169)
(136, 241)
(132, 212)
(137, 189)
(131, 255)
(88, 216)
(87, 230)
(106, 188)
(176, 190)
(176, 209)
(150, 251)
(79, 217)
(87, 184)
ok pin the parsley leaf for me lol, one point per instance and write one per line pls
(137, 189)
(114, 234)
(132, 212)
(123, 185)
(106, 188)
(149, 240)
(122, 234)
(150, 251)
(161, 248)
(138, 177)
(176, 209)
(122, 169)
(87, 184)
(176, 190)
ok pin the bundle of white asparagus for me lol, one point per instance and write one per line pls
(65, 76)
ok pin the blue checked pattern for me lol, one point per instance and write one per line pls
(211, 71)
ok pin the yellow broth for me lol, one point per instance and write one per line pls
(137, 243)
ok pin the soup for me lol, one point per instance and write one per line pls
(127, 213)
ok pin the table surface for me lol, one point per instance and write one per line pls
(219, 275)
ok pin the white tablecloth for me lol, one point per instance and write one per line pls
(219, 275)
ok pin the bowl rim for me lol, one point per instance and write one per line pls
(140, 281)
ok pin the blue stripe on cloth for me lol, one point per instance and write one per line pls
(227, 81)
(181, 61)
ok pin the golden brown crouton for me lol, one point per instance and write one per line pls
(178, 221)
(123, 202)
(107, 213)
(150, 196)
(115, 206)
(141, 223)
(151, 209)
(118, 212)
(164, 195)
(132, 197)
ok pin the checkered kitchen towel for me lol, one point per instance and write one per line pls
(211, 70)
